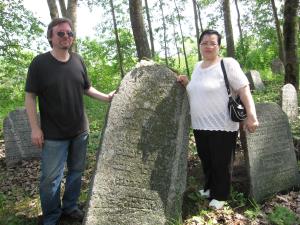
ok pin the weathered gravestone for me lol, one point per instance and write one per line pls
(277, 66)
(289, 101)
(270, 156)
(17, 138)
(255, 80)
(140, 174)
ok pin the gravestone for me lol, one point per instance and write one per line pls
(269, 152)
(17, 138)
(255, 80)
(140, 175)
(289, 101)
(277, 66)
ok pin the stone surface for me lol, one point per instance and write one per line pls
(17, 138)
(255, 80)
(289, 101)
(140, 174)
(277, 66)
(269, 152)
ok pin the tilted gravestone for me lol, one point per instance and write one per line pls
(140, 174)
(270, 155)
(277, 66)
(255, 80)
(17, 138)
(289, 101)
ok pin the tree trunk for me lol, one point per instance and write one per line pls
(150, 29)
(53, 9)
(182, 37)
(240, 30)
(279, 33)
(165, 31)
(63, 8)
(199, 13)
(197, 28)
(290, 31)
(228, 29)
(175, 34)
(138, 29)
(117, 38)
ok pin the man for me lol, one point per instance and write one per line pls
(59, 79)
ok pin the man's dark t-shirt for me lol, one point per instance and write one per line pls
(60, 87)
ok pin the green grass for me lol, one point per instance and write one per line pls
(283, 216)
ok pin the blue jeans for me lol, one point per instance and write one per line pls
(55, 154)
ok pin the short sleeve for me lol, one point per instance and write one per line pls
(32, 84)
(236, 77)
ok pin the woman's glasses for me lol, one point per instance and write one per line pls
(61, 34)
(208, 44)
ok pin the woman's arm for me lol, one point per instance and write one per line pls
(251, 122)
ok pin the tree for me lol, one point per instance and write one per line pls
(18, 29)
(290, 31)
(138, 29)
(150, 29)
(196, 27)
(228, 29)
(182, 38)
(278, 31)
(161, 6)
(117, 38)
(240, 30)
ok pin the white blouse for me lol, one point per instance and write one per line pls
(208, 95)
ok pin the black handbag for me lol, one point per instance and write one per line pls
(237, 111)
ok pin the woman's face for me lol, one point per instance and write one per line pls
(209, 47)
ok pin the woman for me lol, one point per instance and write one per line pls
(215, 133)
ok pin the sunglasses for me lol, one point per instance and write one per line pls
(62, 34)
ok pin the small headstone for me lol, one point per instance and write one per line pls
(270, 155)
(140, 175)
(289, 101)
(17, 138)
(277, 67)
(255, 80)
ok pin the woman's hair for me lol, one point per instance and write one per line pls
(55, 22)
(210, 32)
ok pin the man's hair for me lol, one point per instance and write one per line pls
(210, 32)
(55, 22)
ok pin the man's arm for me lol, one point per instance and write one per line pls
(37, 136)
(94, 93)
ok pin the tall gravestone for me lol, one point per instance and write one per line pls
(17, 138)
(289, 101)
(255, 80)
(270, 156)
(140, 174)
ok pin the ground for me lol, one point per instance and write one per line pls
(19, 186)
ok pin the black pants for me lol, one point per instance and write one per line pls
(216, 151)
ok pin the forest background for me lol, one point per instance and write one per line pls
(166, 31)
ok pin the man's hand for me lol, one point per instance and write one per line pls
(37, 137)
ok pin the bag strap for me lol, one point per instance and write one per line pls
(225, 77)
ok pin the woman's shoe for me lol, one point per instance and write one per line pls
(205, 194)
(216, 204)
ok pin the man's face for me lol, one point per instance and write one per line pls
(62, 36)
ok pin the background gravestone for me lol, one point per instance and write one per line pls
(289, 101)
(140, 174)
(270, 156)
(17, 138)
(255, 80)
(277, 66)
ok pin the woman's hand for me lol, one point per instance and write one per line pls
(183, 79)
(251, 123)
